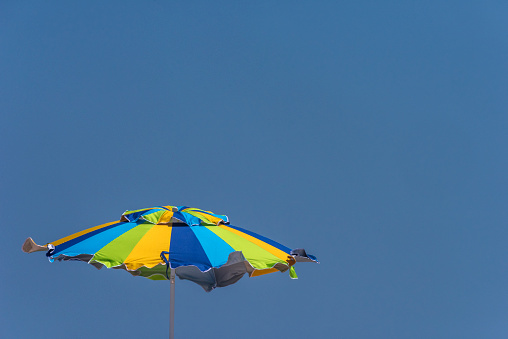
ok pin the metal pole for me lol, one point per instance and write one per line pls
(172, 305)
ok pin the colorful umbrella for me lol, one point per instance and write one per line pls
(161, 242)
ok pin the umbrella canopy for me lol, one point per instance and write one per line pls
(196, 245)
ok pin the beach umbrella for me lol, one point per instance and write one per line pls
(162, 242)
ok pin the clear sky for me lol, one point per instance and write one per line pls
(371, 133)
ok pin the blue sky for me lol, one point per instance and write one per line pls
(372, 134)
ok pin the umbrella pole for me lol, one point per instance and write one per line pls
(172, 305)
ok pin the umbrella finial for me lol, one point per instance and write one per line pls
(30, 246)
